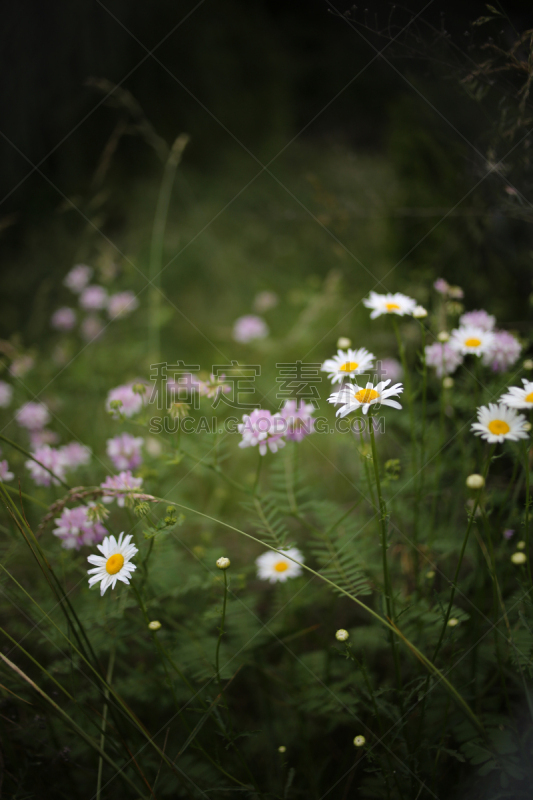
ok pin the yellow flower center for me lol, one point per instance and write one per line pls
(281, 566)
(472, 342)
(366, 395)
(114, 564)
(392, 307)
(529, 398)
(498, 426)
(349, 366)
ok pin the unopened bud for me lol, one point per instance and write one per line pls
(475, 481)
(154, 625)
(341, 635)
(223, 562)
(359, 741)
(420, 312)
(447, 382)
(443, 336)
(519, 558)
(343, 342)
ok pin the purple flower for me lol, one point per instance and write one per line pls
(298, 419)
(50, 458)
(92, 328)
(443, 358)
(21, 365)
(124, 482)
(6, 394)
(75, 455)
(503, 352)
(441, 286)
(508, 533)
(389, 368)
(38, 438)
(93, 298)
(248, 328)
(263, 429)
(74, 528)
(5, 474)
(78, 278)
(122, 304)
(478, 319)
(264, 301)
(131, 402)
(63, 319)
(33, 416)
(125, 451)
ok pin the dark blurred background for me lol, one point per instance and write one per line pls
(247, 73)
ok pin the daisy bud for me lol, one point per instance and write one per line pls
(154, 625)
(223, 563)
(475, 481)
(341, 635)
(447, 383)
(519, 558)
(452, 622)
(359, 741)
(520, 545)
(420, 312)
(430, 574)
(528, 363)
(526, 426)
(443, 336)
(343, 342)
(282, 749)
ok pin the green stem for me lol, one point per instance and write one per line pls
(408, 393)
(109, 677)
(389, 599)
(526, 468)
(257, 473)
(421, 468)
(158, 236)
(461, 554)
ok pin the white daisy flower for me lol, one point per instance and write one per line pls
(114, 563)
(347, 364)
(389, 304)
(353, 397)
(518, 397)
(275, 567)
(496, 423)
(471, 340)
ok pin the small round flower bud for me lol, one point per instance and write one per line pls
(430, 574)
(443, 336)
(154, 625)
(359, 741)
(420, 312)
(223, 562)
(341, 635)
(447, 382)
(456, 292)
(138, 388)
(343, 341)
(519, 558)
(526, 426)
(282, 749)
(452, 622)
(475, 481)
(520, 545)
(528, 363)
